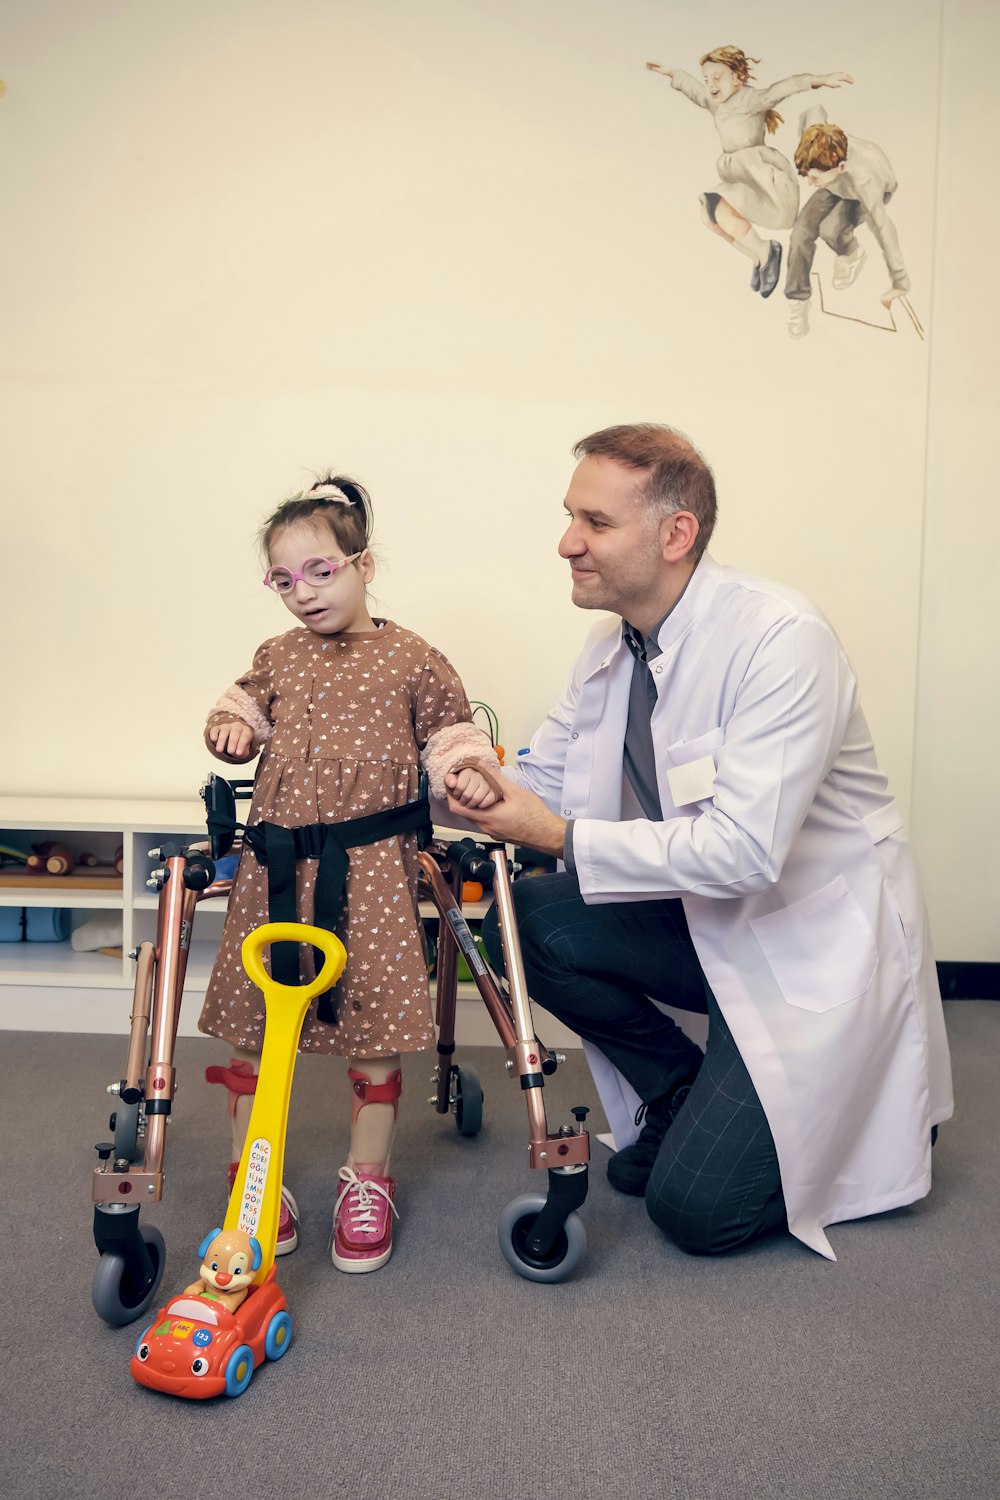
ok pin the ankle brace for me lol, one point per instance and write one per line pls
(365, 1091)
(239, 1079)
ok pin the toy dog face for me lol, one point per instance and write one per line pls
(229, 1258)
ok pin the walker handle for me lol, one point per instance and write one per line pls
(333, 950)
(472, 860)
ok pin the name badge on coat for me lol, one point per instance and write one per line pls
(693, 781)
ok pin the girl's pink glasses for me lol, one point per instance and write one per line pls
(315, 571)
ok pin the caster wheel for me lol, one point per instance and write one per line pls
(278, 1336)
(513, 1228)
(115, 1296)
(239, 1370)
(467, 1100)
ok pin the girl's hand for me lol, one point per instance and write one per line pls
(652, 67)
(469, 788)
(521, 818)
(891, 295)
(831, 80)
(234, 739)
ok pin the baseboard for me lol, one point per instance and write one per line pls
(100, 1012)
(969, 981)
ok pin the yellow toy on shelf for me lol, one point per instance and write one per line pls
(209, 1340)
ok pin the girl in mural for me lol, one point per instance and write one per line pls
(345, 712)
(757, 184)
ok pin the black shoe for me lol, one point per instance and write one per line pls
(629, 1169)
(755, 278)
(771, 270)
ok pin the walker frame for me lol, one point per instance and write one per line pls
(541, 1236)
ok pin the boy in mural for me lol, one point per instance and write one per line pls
(757, 184)
(853, 181)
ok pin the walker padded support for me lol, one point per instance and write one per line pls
(219, 797)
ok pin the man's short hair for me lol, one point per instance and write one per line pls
(678, 476)
(823, 146)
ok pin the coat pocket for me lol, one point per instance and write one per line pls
(821, 950)
(691, 772)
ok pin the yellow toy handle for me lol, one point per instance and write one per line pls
(255, 1202)
(332, 949)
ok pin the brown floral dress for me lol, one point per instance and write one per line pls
(342, 720)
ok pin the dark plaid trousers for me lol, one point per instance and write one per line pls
(715, 1184)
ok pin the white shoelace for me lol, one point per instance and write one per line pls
(363, 1210)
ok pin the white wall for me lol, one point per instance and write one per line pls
(432, 246)
(956, 798)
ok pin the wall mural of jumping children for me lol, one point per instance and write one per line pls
(758, 186)
(853, 182)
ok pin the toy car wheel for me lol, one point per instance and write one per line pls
(239, 1370)
(278, 1336)
(467, 1101)
(514, 1227)
(116, 1297)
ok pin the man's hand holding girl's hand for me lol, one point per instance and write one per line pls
(519, 818)
(469, 789)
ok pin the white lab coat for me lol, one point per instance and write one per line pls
(798, 883)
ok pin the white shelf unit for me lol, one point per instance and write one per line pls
(50, 987)
(30, 971)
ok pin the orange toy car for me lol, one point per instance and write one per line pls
(196, 1348)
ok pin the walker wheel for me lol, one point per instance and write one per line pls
(467, 1100)
(515, 1225)
(115, 1296)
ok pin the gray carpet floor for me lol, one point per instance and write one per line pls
(649, 1375)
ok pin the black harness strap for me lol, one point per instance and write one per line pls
(278, 849)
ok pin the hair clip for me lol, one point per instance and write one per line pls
(321, 492)
(325, 492)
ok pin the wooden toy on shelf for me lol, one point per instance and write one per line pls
(50, 858)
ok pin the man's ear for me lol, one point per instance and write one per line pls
(678, 535)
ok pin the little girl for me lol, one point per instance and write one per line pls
(757, 185)
(345, 711)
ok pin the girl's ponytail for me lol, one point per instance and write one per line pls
(344, 505)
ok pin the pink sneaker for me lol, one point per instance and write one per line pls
(288, 1216)
(362, 1221)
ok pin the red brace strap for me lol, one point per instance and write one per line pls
(239, 1078)
(368, 1092)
